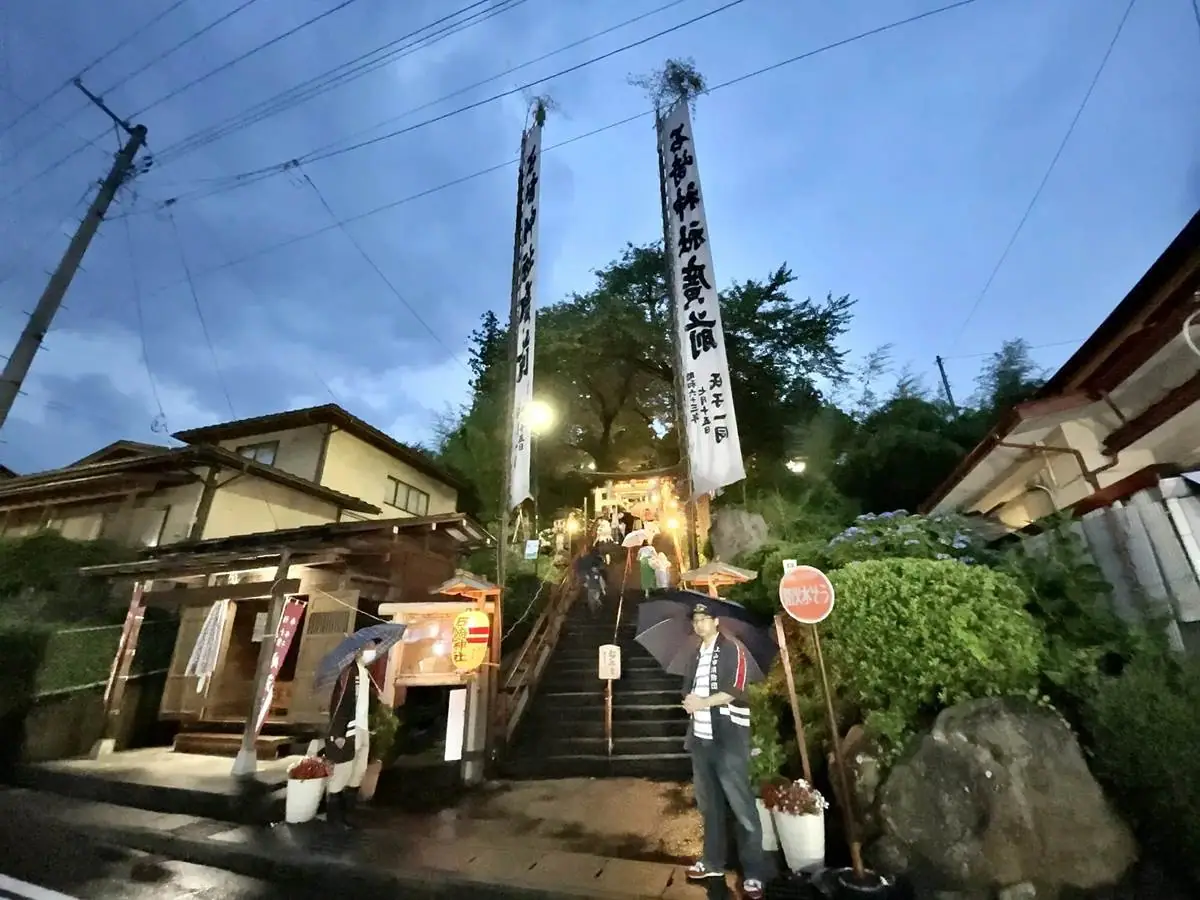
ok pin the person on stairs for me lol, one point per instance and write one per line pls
(645, 557)
(348, 740)
(718, 739)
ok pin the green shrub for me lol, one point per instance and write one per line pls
(1072, 600)
(40, 580)
(766, 749)
(909, 637)
(1144, 731)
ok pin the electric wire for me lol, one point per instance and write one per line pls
(330, 154)
(125, 41)
(46, 234)
(59, 123)
(187, 86)
(385, 207)
(470, 87)
(136, 284)
(378, 271)
(339, 75)
(1037, 194)
(958, 356)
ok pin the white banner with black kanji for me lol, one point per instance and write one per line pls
(524, 313)
(714, 449)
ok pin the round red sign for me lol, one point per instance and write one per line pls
(806, 594)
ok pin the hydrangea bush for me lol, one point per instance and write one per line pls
(902, 535)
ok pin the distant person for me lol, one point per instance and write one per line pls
(603, 531)
(662, 571)
(628, 522)
(645, 557)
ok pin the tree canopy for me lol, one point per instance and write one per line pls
(872, 440)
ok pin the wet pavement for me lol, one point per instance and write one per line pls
(44, 854)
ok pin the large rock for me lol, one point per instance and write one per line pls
(998, 798)
(736, 531)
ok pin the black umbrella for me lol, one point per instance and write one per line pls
(664, 629)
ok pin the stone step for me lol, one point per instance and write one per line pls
(622, 745)
(652, 767)
(629, 664)
(551, 729)
(583, 699)
(554, 682)
(565, 715)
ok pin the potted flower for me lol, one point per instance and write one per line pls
(305, 788)
(383, 725)
(766, 760)
(799, 812)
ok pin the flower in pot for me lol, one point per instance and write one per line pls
(305, 787)
(799, 812)
(766, 759)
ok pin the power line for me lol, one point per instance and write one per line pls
(339, 75)
(579, 137)
(187, 86)
(136, 283)
(329, 154)
(958, 356)
(378, 271)
(460, 91)
(48, 233)
(125, 41)
(1037, 194)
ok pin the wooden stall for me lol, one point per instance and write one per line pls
(342, 573)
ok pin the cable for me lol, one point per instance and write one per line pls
(329, 154)
(136, 280)
(378, 271)
(95, 62)
(579, 137)
(588, 38)
(957, 356)
(336, 77)
(187, 86)
(49, 232)
(1037, 194)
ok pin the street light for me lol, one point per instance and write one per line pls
(796, 466)
(672, 524)
(538, 415)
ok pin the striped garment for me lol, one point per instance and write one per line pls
(704, 686)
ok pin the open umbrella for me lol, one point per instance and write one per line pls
(635, 538)
(386, 634)
(664, 629)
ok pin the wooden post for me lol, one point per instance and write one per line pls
(839, 763)
(246, 763)
(118, 675)
(785, 658)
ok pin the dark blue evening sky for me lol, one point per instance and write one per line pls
(894, 169)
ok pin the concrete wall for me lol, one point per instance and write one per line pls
(67, 725)
(355, 467)
(299, 450)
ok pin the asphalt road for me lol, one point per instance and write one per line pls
(43, 854)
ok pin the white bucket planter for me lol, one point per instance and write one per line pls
(802, 839)
(302, 799)
(770, 840)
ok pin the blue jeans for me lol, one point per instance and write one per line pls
(721, 776)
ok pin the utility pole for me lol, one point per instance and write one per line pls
(941, 364)
(17, 367)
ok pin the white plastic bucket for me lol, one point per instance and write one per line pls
(802, 839)
(302, 799)
(770, 840)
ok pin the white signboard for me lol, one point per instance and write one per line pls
(524, 312)
(788, 565)
(260, 627)
(456, 725)
(714, 450)
(532, 548)
(610, 662)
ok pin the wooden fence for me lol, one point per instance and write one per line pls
(1148, 549)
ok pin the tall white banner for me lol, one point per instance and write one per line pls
(714, 449)
(524, 312)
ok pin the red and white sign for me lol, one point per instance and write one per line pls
(806, 594)
(289, 622)
(469, 640)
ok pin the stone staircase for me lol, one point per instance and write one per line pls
(562, 735)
